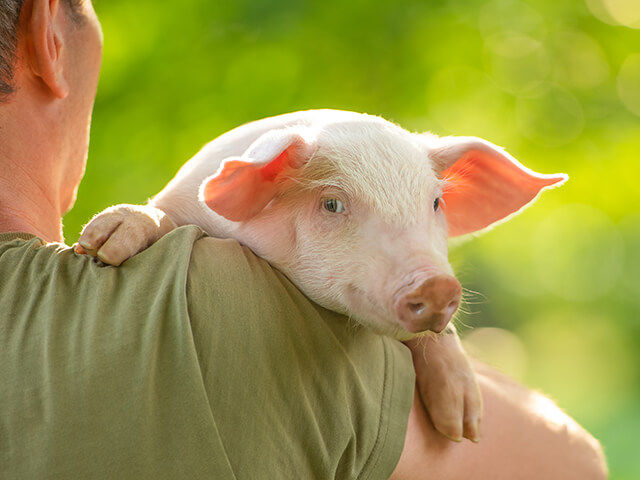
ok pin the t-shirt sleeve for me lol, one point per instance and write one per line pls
(296, 391)
(99, 377)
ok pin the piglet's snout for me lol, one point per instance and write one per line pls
(430, 305)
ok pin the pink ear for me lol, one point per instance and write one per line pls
(484, 184)
(243, 186)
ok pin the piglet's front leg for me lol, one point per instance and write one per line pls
(447, 385)
(119, 232)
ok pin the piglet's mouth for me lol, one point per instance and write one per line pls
(367, 309)
(371, 313)
(438, 322)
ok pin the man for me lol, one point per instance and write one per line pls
(195, 359)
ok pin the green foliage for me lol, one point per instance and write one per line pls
(555, 84)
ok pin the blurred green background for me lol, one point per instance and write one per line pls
(557, 83)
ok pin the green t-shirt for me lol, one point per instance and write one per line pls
(194, 359)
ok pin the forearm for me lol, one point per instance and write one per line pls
(525, 436)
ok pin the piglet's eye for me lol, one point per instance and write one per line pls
(436, 204)
(333, 205)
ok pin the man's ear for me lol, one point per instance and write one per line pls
(42, 22)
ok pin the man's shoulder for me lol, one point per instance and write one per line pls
(191, 243)
(237, 277)
(181, 248)
(339, 385)
(56, 270)
(181, 239)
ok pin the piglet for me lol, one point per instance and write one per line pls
(356, 211)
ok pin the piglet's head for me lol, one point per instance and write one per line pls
(369, 240)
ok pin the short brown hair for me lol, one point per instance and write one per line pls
(9, 16)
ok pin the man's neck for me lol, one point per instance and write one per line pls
(29, 177)
(26, 211)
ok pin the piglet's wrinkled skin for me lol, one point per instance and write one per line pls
(355, 210)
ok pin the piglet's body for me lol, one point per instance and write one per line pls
(353, 209)
(356, 212)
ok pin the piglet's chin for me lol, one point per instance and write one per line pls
(437, 326)
(362, 309)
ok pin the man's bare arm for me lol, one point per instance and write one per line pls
(525, 436)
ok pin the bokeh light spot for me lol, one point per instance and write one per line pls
(518, 63)
(599, 10)
(578, 253)
(499, 348)
(511, 16)
(502, 253)
(566, 348)
(579, 60)
(625, 12)
(630, 227)
(629, 83)
(551, 119)
(462, 99)
(616, 12)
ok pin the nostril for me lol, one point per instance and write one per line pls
(453, 306)
(417, 308)
(430, 305)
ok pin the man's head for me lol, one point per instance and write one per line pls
(50, 57)
(9, 17)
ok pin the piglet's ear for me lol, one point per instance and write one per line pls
(244, 185)
(484, 184)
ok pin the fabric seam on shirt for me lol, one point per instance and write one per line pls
(9, 236)
(195, 347)
(383, 423)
